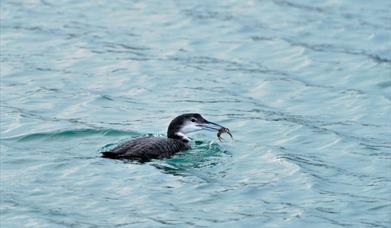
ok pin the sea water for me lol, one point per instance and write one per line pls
(304, 87)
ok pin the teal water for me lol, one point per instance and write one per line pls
(304, 87)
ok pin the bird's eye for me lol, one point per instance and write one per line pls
(193, 120)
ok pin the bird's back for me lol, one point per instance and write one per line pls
(147, 148)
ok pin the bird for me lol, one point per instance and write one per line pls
(146, 148)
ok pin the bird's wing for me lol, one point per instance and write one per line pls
(146, 148)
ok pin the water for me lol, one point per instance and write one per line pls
(303, 85)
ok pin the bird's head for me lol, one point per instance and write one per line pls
(184, 124)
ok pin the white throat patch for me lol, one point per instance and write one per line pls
(183, 136)
(188, 127)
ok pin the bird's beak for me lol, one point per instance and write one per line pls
(210, 126)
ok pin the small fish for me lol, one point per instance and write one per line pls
(221, 131)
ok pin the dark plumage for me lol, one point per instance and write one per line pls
(147, 148)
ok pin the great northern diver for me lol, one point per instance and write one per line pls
(147, 148)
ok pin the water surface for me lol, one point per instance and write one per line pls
(303, 85)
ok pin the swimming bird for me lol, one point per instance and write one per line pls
(151, 147)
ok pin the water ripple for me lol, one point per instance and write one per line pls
(303, 86)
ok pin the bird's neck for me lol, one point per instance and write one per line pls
(180, 136)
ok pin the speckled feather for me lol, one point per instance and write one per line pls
(147, 148)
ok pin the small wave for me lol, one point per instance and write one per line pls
(201, 151)
(72, 133)
(203, 154)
